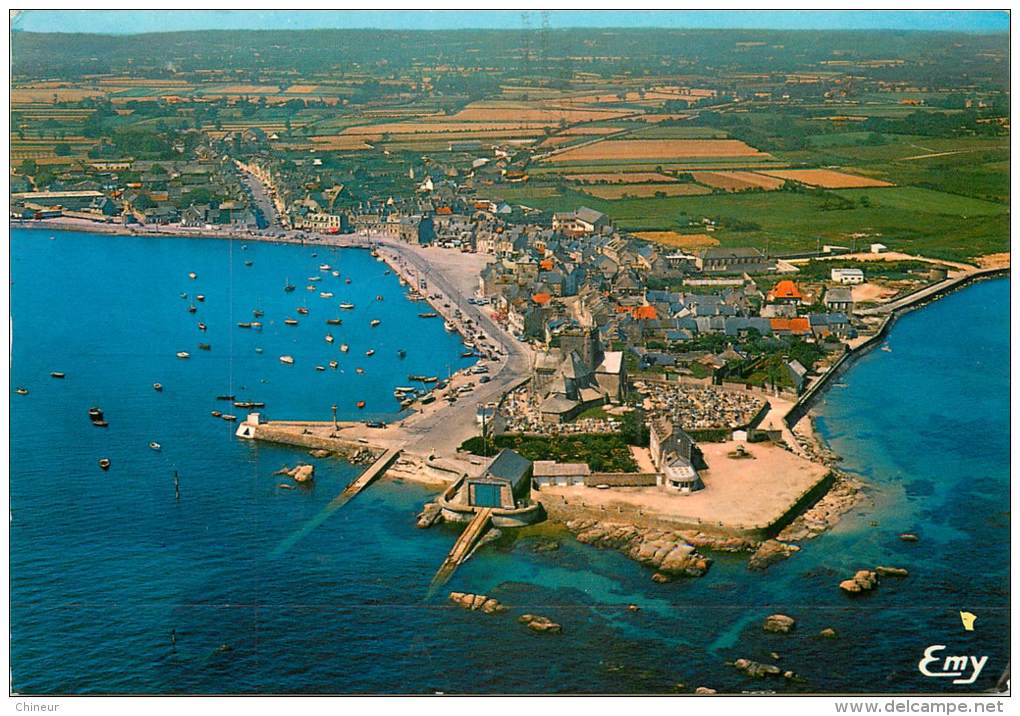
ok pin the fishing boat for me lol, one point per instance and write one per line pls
(204, 347)
(430, 379)
(430, 314)
(215, 413)
(329, 338)
(256, 325)
(449, 327)
(336, 274)
(375, 322)
(403, 389)
(333, 364)
(96, 416)
(258, 349)
(183, 355)
(344, 348)
(201, 326)
(200, 297)
(247, 263)
(288, 286)
(370, 352)
(310, 287)
(155, 446)
(225, 397)
(192, 275)
(333, 321)
(416, 378)
(379, 297)
(320, 368)
(288, 360)
(361, 404)
(244, 324)
(303, 311)
(56, 374)
(290, 321)
(21, 391)
(324, 267)
(467, 354)
(192, 308)
(401, 353)
(406, 403)
(347, 306)
(315, 255)
(229, 418)
(313, 279)
(325, 294)
(158, 387)
(104, 463)
(347, 280)
(386, 272)
(887, 349)
(258, 313)
(359, 371)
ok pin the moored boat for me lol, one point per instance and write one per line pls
(370, 352)
(324, 267)
(329, 338)
(344, 347)
(204, 347)
(229, 418)
(215, 413)
(401, 353)
(258, 313)
(379, 297)
(104, 463)
(201, 326)
(449, 327)
(333, 364)
(155, 446)
(288, 286)
(96, 416)
(244, 324)
(21, 391)
(347, 306)
(225, 397)
(375, 322)
(361, 404)
(347, 280)
(325, 294)
(288, 360)
(192, 308)
(256, 325)
(290, 321)
(192, 275)
(302, 310)
(333, 321)
(429, 314)
(183, 355)
(359, 371)
(200, 297)
(56, 374)
(320, 368)
(248, 263)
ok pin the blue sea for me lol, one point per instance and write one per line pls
(119, 588)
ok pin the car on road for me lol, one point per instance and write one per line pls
(375, 424)
(484, 379)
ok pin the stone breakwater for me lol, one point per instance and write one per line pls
(844, 494)
(667, 551)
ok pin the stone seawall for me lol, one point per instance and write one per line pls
(293, 436)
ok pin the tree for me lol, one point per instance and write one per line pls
(62, 150)
(28, 167)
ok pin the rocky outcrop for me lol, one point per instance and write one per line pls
(477, 602)
(863, 581)
(846, 491)
(319, 453)
(779, 623)
(665, 550)
(769, 552)
(718, 543)
(828, 633)
(756, 669)
(431, 513)
(542, 625)
(705, 690)
(301, 473)
(891, 571)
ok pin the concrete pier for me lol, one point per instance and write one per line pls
(462, 547)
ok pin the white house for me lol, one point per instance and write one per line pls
(848, 275)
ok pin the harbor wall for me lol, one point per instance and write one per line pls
(291, 435)
(908, 303)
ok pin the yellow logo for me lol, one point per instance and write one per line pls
(968, 620)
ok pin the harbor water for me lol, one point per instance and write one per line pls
(118, 587)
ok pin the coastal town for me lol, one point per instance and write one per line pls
(382, 360)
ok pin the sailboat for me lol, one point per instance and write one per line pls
(288, 286)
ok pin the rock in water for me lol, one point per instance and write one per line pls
(828, 633)
(319, 453)
(891, 571)
(704, 690)
(303, 473)
(769, 552)
(542, 625)
(908, 537)
(779, 624)
(477, 602)
(756, 669)
(864, 581)
(430, 514)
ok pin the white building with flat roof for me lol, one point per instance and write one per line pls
(848, 276)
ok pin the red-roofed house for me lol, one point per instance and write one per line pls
(790, 326)
(644, 313)
(785, 291)
(541, 298)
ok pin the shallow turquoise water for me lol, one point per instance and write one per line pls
(107, 569)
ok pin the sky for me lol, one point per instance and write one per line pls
(137, 21)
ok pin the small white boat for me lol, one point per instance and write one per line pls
(336, 274)
(158, 387)
(320, 368)
(183, 354)
(333, 364)
(375, 322)
(370, 352)
(192, 275)
(200, 297)
(155, 446)
(449, 326)
(290, 321)
(258, 350)
(325, 294)
(313, 279)
(344, 348)
(288, 360)
(309, 287)
(347, 306)
(324, 267)
(887, 349)
(329, 338)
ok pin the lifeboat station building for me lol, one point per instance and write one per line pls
(505, 484)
